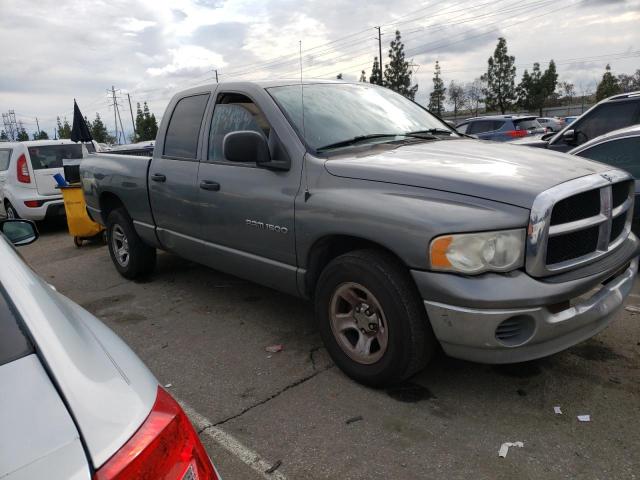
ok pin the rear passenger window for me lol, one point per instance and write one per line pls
(234, 112)
(5, 155)
(183, 131)
(482, 126)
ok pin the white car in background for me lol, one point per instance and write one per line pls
(27, 186)
(75, 402)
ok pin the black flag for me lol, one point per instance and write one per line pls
(80, 131)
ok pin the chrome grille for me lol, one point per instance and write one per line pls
(578, 222)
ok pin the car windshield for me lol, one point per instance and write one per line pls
(52, 156)
(341, 114)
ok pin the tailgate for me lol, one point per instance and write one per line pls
(47, 160)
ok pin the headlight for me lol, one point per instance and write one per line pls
(473, 253)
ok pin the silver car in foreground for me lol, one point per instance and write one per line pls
(75, 402)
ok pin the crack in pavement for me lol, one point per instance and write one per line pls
(268, 399)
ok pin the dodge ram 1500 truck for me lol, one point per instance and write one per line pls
(404, 233)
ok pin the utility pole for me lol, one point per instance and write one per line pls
(132, 122)
(124, 140)
(115, 112)
(380, 52)
(216, 76)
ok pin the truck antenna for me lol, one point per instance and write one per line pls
(307, 194)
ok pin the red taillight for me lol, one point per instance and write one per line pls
(23, 170)
(517, 133)
(33, 203)
(165, 447)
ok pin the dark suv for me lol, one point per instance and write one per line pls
(610, 114)
(501, 128)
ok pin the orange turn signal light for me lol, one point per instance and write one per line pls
(438, 252)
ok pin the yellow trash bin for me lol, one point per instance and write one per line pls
(81, 227)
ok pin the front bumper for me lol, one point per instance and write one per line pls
(540, 318)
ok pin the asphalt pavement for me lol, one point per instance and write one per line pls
(204, 334)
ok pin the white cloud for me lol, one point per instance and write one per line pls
(188, 58)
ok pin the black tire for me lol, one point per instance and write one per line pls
(141, 258)
(411, 342)
(8, 207)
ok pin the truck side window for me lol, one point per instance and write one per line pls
(184, 127)
(232, 113)
(606, 118)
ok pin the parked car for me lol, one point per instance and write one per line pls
(501, 128)
(620, 149)
(610, 114)
(402, 232)
(570, 119)
(76, 402)
(552, 124)
(27, 186)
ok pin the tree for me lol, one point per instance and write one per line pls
(339, 76)
(3, 136)
(500, 92)
(64, 129)
(376, 73)
(535, 89)
(437, 96)
(363, 77)
(567, 90)
(397, 74)
(99, 131)
(23, 136)
(41, 135)
(475, 94)
(629, 83)
(457, 97)
(146, 124)
(609, 85)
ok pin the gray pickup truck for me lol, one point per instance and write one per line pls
(404, 233)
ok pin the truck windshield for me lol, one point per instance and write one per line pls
(335, 113)
(51, 156)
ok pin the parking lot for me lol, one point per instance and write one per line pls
(204, 334)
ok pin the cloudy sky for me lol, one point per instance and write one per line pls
(57, 50)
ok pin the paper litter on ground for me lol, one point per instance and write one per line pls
(632, 309)
(557, 410)
(504, 448)
(584, 418)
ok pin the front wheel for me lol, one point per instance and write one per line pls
(371, 318)
(130, 255)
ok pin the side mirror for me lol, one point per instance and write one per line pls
(19, 232)
(247, 146)
(569, 136)
(547, 136)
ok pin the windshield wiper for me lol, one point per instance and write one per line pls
(430, 131)
(359, 138)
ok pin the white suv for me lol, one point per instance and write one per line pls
(27, 186)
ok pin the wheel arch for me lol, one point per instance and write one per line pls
(325, 249)
(108, 202)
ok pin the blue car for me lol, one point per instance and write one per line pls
(501, 128)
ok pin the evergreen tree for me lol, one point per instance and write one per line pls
(99, 130)
(609, 85)
(22, 136)
(146, 124)
(339, 76)
(457, 97)
(437, 96)
(397, 74)
(376, 74)
(41, 135)
(64, 129)
(500, 92)
(139, 123)
(536, 88)
(3, 136)
(363, 77)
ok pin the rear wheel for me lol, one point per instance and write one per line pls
(372, 319)
(130, 255)
(10, 210)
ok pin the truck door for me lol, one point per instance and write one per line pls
(173, 177)
(247, 212)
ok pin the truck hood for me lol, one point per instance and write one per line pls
(494, 171)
